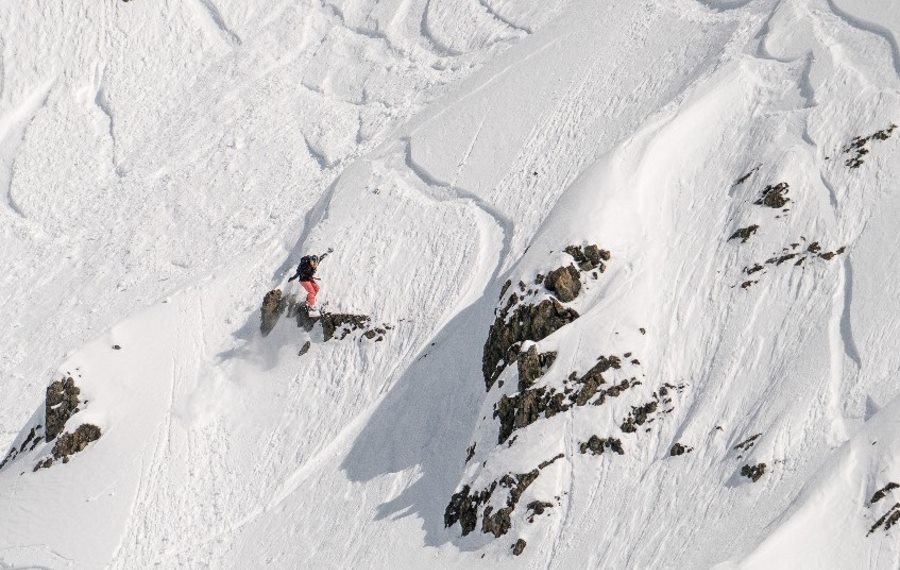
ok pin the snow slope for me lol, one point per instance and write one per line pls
(167, 165)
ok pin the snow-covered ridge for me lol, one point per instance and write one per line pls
(720, 389)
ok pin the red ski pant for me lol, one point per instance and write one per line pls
(311, 289)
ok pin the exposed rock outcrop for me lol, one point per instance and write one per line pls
(882, 493)
(60, 404)
(272, 308)
(564, 282)
(887, 520)
(465, 504)
(774, 196)
(589, 257)
(744, 233)
(527, 406)
(72, 443)
(597, 445)
(754, 472)
(858, 147)
(532, 365)
(499, 522)
(519, 547)
(526, 322)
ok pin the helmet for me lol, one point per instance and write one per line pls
(314, 258)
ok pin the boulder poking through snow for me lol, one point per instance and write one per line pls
(589, 257)
(564, 282)
(272, 308)
(527, 322)
(69, 444)
(60, 404)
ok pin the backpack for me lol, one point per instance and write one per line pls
(305, 270)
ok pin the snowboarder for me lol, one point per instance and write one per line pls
(306, 272)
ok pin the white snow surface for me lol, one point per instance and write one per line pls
(165, 164)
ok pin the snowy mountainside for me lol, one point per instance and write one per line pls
(630, 266)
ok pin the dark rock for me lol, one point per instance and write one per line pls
(335, 322)
(744, 233)
(638, 415)
(774, 195)
(589, 257)
(748, 443)
(597, 445)
(781, 259)
(520, 410)
(505, 287)
(61, 403)
(464, 505)
(679, 449)
(519, 547)
(116, 347)
(754, 472)
(527, 322)
(496, 523)
(549, 462)
(463, 508)
(564, 282)
(532, 365)
(537, 508)
(882, 493)
(744, 178)
(72, 443)
(304, 349)
(814, 247)
(470, 452)
(857, 147)
(273, 306)
(887, 520)
(751, 270)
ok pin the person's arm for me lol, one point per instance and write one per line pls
(296, 275)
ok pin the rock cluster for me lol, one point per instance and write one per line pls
(69, 444)
(793, 252)
(60, 404)
(464, 505)
(530, 404)
(517, 324)
(774, 196)
(754, 472)
(589, 257)
(598, 445)
(887, 520)
(857, 148)
(334, 325)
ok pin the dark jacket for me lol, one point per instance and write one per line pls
(305, 271)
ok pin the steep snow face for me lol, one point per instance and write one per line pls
(717, 389)
(144, 147)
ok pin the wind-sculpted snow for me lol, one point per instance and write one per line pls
(613, 284)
